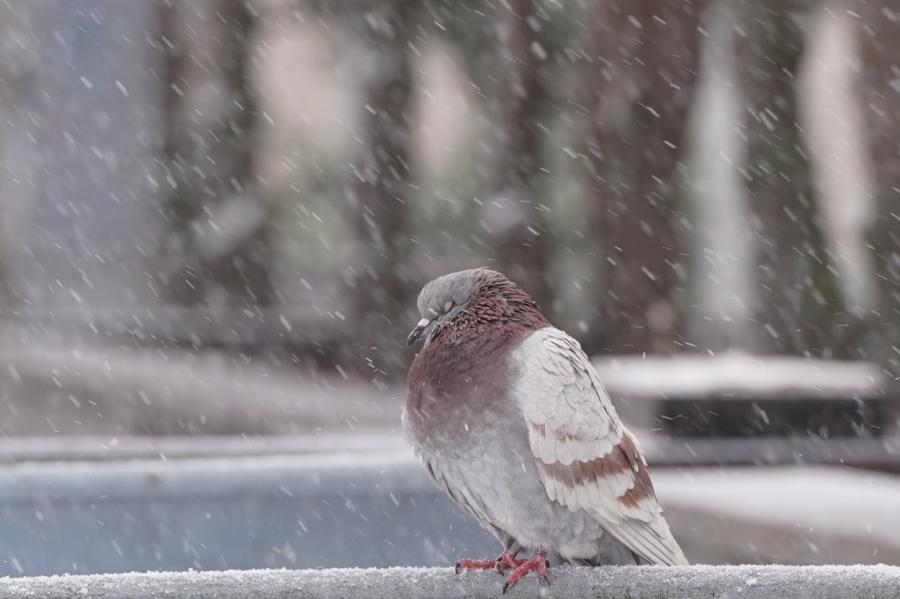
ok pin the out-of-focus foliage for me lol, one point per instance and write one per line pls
(288, 173)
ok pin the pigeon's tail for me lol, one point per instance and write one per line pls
(652, 542)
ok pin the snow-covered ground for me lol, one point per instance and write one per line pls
(733, 373)
(811, 515)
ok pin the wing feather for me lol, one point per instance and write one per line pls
(587, 459)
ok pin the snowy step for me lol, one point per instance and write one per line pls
(880, 452)
(738, 396)
(15, 450)
(659, 450)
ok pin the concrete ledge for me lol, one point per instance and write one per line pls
(746, 582)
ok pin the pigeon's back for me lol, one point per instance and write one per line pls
(586, 458)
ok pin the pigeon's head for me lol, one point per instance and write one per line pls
(443, 299)
(484, 295)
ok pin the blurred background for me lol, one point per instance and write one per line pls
(215, 217)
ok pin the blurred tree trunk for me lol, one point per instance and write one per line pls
(382, 288)
(515, 215)
(798, 297)
(645, 59)
(19, 62)
(218, 251)
(879, 41)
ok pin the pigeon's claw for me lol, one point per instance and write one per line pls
(505, 561)
(537, 562)
(475, 564)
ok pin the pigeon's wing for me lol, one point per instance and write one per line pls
(586, 458)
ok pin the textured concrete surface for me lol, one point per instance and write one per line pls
(696, 582)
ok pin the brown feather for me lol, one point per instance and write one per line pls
(643, 487)
(623, 457)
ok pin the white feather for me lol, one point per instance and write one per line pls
(570, 418)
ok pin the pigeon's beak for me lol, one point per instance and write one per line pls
(416, 333)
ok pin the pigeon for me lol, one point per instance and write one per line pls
(512, 422)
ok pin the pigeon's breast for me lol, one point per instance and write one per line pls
(453, 387)
(457, 415)
(470, 447)
(448, 405)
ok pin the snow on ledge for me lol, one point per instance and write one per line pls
(733, 372)
(746, 582)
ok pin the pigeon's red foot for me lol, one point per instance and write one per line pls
(537, 562)
(504, 561)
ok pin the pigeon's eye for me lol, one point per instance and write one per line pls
(448, 305)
